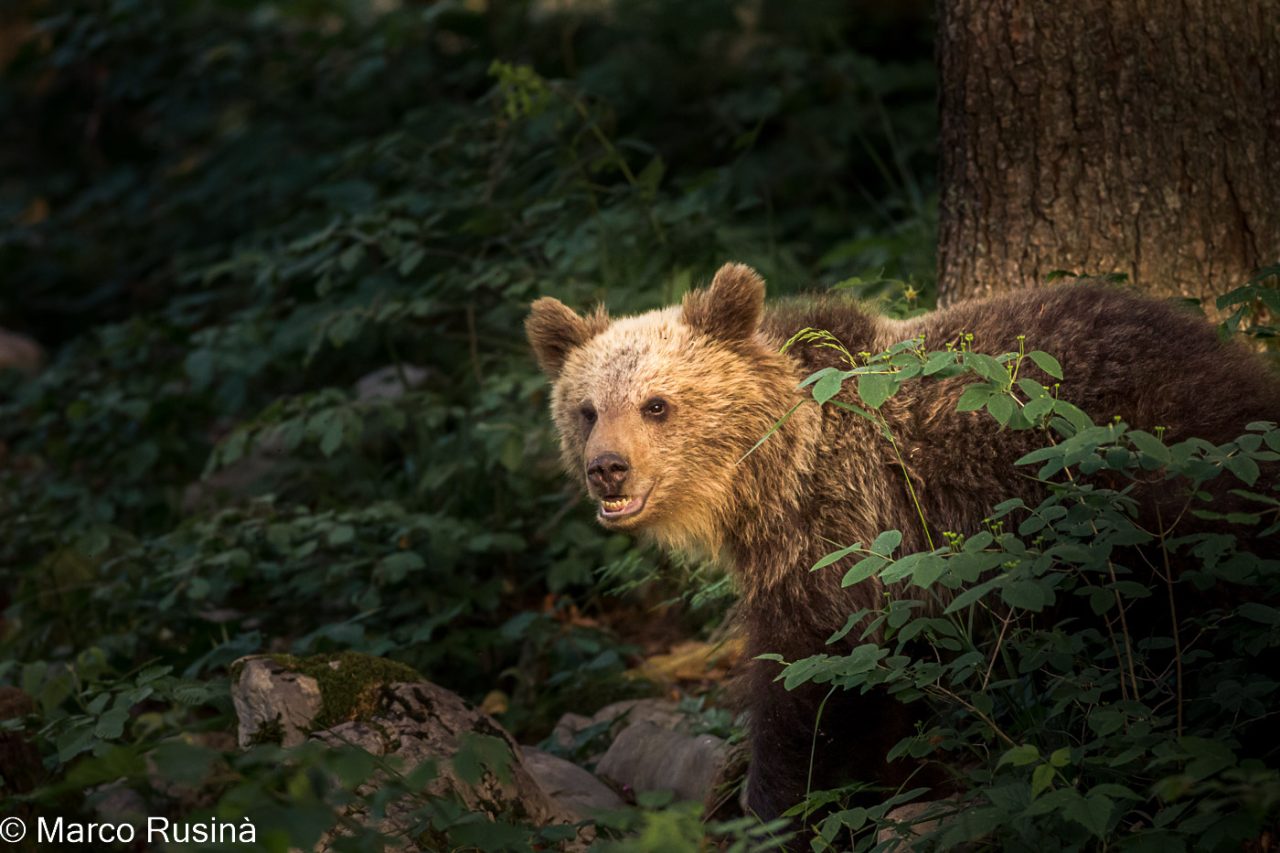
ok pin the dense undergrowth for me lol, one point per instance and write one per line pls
(220, 216)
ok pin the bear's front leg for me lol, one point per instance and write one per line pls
(787, 754)
(812, 738)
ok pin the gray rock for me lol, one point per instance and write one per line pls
(567, 729)
(616, 716)
(914, 820)
(390, 382)
(116, 802)
(662, 713)
(20, 353)
(261, 468)
(413, 722)
(421, 722)
(273, 703)
(648, 757)
(576, 790)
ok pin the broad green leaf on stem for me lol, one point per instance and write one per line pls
(1150, 445)
(835, 556)
(1092, 812)
(938, 361)
(886, 542)
(1020, 756)
(1041, 779)
(975, 397)
(1001, 408)
(988, 368)
(876, 388)
(828, 386)
(863, 569)
(1046, 362)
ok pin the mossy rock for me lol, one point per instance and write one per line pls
(295, 696)
(350, 682)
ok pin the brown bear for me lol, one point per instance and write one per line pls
(657, 413)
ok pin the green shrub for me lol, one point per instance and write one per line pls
(1090, 682)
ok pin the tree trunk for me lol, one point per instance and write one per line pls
(1108, 136)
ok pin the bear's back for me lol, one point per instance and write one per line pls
(1123, 355)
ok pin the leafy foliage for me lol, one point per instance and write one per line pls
(222, 217)
(1089, 679)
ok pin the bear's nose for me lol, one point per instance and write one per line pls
(607, 472)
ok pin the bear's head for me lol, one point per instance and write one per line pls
(656, 410)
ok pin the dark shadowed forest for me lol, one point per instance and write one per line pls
(288, 560)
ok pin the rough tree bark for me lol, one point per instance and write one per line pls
(1140, 137)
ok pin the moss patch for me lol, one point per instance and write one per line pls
(349, 683)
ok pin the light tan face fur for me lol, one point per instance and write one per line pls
(671, 395)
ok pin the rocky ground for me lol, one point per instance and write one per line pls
(636, 746)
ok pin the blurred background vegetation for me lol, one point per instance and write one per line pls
(278, 254)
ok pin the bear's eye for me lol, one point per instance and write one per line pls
(588, 414)
(655, 408)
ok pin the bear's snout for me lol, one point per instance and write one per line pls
(607, 472)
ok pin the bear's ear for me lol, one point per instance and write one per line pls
(731, 307)
(555, 330)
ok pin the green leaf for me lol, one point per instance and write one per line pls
(153, 673)
(1037, 408)
(350, 258)
(1041, 779)
(1025, 594)
(1046, 362)
(938, 361)
(972, 594)
(74, 741)
(1092, 812)
(1072, 414)
(988, 368)
(1243, 467)
(409, 262)
(199, 367)
(1207, 757)
(863, 569)
(651, 175)
(394, 568)
(1020, 756)
(476, 752)
(1149, 445)
(930, 568)
(111, 724)
(341, 534)
(974, 397)
(1258, 612)
(886, 542)
(1001, 408)
(835, 556)
(876, 388)
(331, 439)
(828, 385)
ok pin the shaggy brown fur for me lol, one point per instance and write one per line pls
(827, 476)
